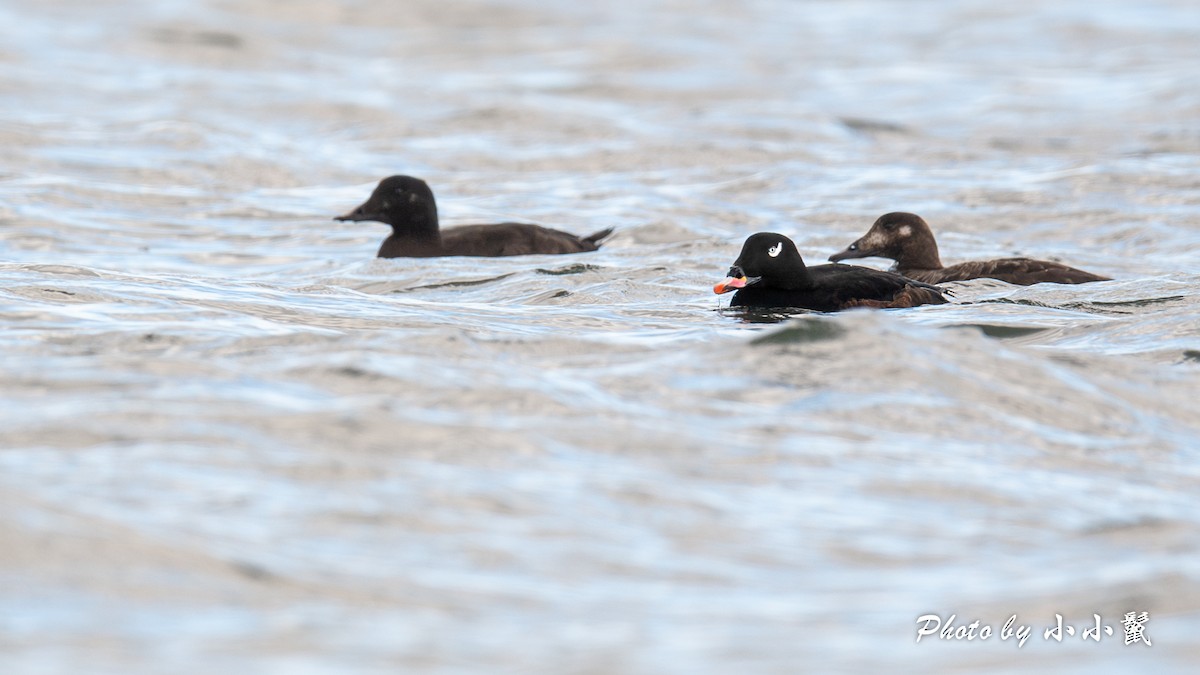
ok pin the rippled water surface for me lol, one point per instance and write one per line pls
(231, 439)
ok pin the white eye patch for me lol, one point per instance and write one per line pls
(905, 231)
(775, 250)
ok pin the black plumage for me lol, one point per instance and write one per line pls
(407, 204)
(769, 273)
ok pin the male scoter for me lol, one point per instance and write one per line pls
(907, 239)
(407, 204)
(769, 272)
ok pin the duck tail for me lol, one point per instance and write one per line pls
(596, 237)
(942, 290)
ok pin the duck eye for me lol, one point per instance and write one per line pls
(775, 250)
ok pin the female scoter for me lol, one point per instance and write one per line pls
(407, 204)
(770, 273)
(907, 239)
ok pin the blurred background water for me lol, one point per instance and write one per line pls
(230, 438)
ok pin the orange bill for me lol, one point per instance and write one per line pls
(730, 284)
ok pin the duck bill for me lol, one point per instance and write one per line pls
(356, 214)
(854, 250)
(729, 285)
(734, 283)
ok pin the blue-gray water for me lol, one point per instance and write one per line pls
(232, 440)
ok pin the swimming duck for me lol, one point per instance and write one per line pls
(907, 239)
(407, 204)
(769, 272)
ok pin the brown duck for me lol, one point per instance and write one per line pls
(407, 204)
(907, 239)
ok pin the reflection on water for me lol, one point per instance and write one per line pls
(231, 438)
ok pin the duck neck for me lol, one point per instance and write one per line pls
(797, 278)
(415, 232)
(421, 235)
(417, 226)
(419, 222)
(920, 253)
(408, 245)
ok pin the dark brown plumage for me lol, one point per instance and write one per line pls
(769, 272)
(907, 239)
(407, 204)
